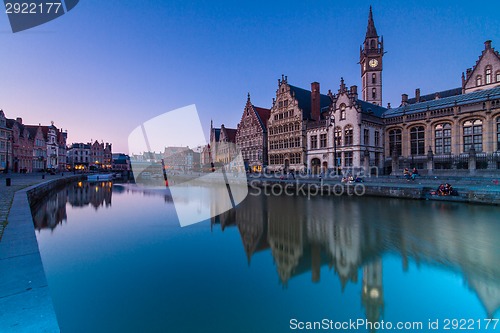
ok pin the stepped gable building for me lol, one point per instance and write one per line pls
(251, 136)
(452, 129)
(5, 143)
(222, 147)
(292, 109)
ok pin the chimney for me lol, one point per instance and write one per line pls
(354, 91)
(487, 45)
(315, 101)
(19, 120)
(417, 95)
(404, 99)
(388, 105)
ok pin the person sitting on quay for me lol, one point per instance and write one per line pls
(407, 174)
(414, 174)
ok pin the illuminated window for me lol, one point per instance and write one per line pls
(473, 135)
(374, 93)
(443, 139)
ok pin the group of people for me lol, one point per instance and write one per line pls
(445, 189)
(349, 178)
(410, 175)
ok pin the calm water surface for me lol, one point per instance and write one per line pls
(117, 260)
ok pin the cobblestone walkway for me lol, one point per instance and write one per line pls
(18, 182)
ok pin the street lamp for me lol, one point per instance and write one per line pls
(332, 124)
(9, 137)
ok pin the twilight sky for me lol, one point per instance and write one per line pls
(106, 67)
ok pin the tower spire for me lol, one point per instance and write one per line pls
(371, 31)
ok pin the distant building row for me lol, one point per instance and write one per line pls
(305, 130)
(31, 148)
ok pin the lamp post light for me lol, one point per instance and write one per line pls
(332, 124)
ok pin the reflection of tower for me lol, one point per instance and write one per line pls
(373, 292)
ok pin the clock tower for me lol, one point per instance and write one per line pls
(370, 59)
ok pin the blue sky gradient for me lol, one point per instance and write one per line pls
(107, 66)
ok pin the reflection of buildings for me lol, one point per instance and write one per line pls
(52, 211)
(305, 235)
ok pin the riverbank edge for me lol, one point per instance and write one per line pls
(410, 191)
(25, 298)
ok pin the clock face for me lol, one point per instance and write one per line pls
(373, 63)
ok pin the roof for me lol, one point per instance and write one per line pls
(231, 134)
(463, 99)
(370, 108)
(263, 115)
(371, 31)
(441, 94)
(303, 97)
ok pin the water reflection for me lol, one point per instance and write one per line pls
(51, 212)
(347, 237)
(351, 236)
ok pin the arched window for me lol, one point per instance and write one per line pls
(374, 78)
(417, 140)
(443, 139)
(395, 141)
(479, 81)
(342, 111)
(498, 133)
(297, 126)
(372, 44)
(374, 93)
(473, 135)
(285, 128)
(348, 135)
(487, 75)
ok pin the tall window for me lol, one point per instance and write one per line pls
(348, 158)
(338, 136)
(374, 93)
(498, 133)
(478, 81)
(488, 75)
(417, 140)
(348, 135)
(377, 138)
(497, 76)
(366, 136)
(473, 135)
(395, 141)
(443, 139)
(322, 140)
(374, 78)
(342, 111)
(314, 142)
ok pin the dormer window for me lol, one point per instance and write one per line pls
(488, 75)
(479, 81)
